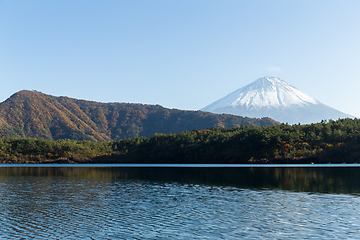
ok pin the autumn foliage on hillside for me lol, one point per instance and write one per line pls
(32, 114)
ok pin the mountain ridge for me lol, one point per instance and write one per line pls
(38, 115)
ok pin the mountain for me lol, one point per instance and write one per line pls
(274, 98)
(37, 115)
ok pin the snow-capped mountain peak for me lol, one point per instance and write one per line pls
(264, 92)
(275, 98)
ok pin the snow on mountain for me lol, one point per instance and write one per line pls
(274, 98)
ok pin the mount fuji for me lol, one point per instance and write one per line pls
(274, 98)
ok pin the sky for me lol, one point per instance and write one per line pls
(180, 54)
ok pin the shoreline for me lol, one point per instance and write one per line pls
(176, 165)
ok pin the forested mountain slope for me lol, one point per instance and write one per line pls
(37, 115)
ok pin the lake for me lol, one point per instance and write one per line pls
(175, 202)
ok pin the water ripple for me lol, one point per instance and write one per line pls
(76, 208)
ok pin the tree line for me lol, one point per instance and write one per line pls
(327, 141)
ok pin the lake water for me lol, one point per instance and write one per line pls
(167, 202)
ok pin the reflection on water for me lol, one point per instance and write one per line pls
(182, 203)
(316, 179)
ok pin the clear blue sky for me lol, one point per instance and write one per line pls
(180, 54)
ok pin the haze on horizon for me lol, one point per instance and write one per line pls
(179, 54)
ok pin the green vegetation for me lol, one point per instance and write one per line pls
(333, 141)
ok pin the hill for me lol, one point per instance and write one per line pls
(32, 114)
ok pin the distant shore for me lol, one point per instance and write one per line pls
(119, 160)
